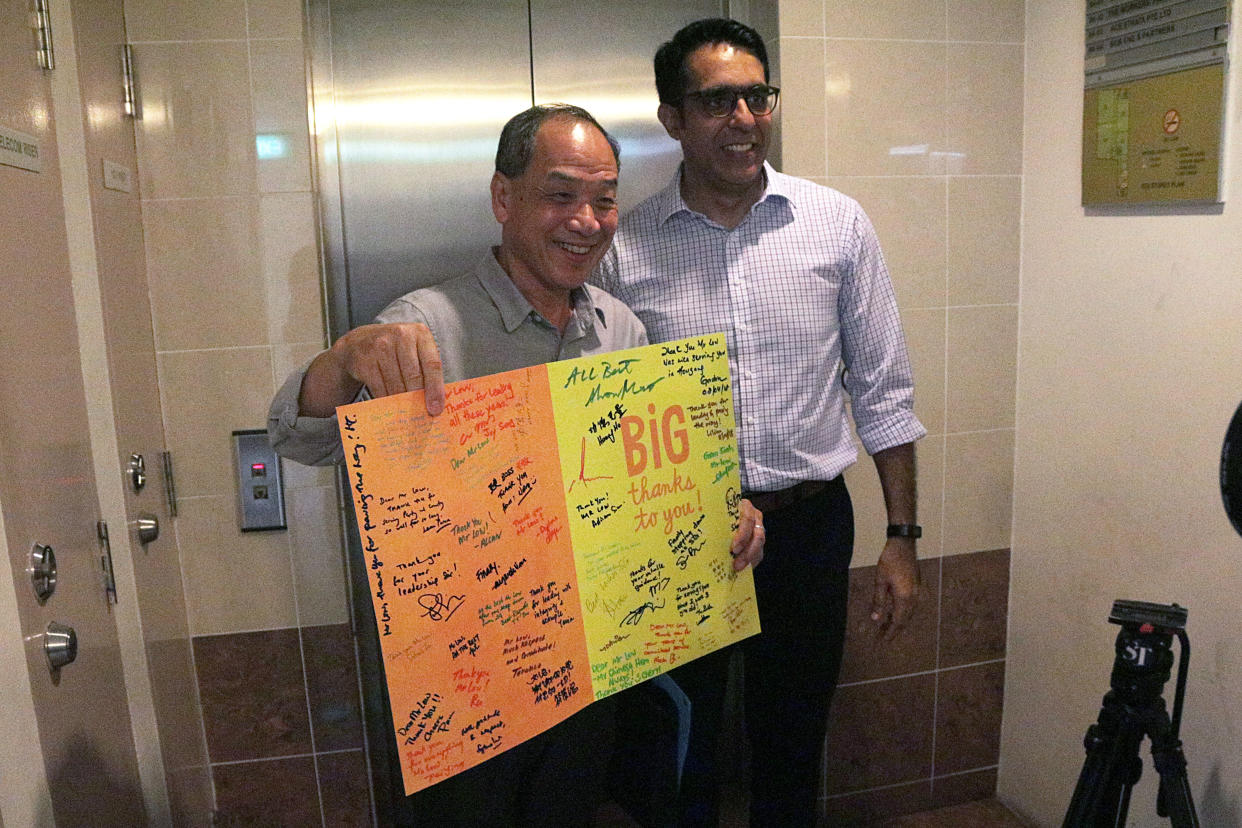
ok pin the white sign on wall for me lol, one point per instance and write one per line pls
(17, 149)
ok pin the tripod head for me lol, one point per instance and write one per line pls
(1144, 652)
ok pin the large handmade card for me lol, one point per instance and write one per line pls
(557, 534)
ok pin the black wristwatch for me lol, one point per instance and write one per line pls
(905, 530)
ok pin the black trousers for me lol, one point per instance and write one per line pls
(789, 670)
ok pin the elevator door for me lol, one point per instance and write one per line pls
(409, 101)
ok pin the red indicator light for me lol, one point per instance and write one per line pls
(258, 470)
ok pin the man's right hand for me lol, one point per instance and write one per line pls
(388, 359)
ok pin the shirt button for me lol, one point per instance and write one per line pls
(751, 420)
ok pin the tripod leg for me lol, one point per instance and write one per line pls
(1174, 799)
(1112, 766)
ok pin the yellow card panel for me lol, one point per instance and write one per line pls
(649, 459)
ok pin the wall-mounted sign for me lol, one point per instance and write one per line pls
(17, 149)
(1153, 100)
(117, 177)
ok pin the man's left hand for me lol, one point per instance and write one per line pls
(747, 544)
(896, 586)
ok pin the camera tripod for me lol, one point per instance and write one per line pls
(1133, 709)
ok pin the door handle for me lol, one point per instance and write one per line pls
(42, 571)
(137, 472)
(60, 643)
(148, 527)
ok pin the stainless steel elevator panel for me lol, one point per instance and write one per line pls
(409, 99)
(421, 91)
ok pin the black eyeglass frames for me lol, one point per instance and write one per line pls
(721, 101)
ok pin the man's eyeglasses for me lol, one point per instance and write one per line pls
(721, 101)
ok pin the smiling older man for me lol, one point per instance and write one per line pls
(554, 195)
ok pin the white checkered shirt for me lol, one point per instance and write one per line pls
(799, 288)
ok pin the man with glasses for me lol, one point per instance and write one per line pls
(792, 273)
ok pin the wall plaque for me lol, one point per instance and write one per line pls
(1153, 101)
(17, 149)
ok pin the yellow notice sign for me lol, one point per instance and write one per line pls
(1154, 140)
(558, 534)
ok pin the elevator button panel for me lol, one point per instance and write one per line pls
(259, 486)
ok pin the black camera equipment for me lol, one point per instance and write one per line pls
(1231, 470)
(1132, 709)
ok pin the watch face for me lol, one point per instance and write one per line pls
(1231, 471)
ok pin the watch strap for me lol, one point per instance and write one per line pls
(904, 530)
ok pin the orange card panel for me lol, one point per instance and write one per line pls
(463, 526)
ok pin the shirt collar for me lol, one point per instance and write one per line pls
(514, 309)
(671, 202)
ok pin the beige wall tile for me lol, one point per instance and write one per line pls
(909, 217)
(990, 20)
(318, 566)
(984, 217)
(278, 86)
(984, 108)
(931, 496)
(868, 500)
(870, 517)
(802, 18)
(196, 134)
(299, 477)
(275, 18)
(978, 491)
(185, 20)
(925, 339)
(285, 360)
(981, 367)
(235, 581)
(291, 268)
(207, 288)
(207, 395)
(894, 19)
(802, 102)
(885, 107)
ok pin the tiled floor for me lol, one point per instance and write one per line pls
(986, 813)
